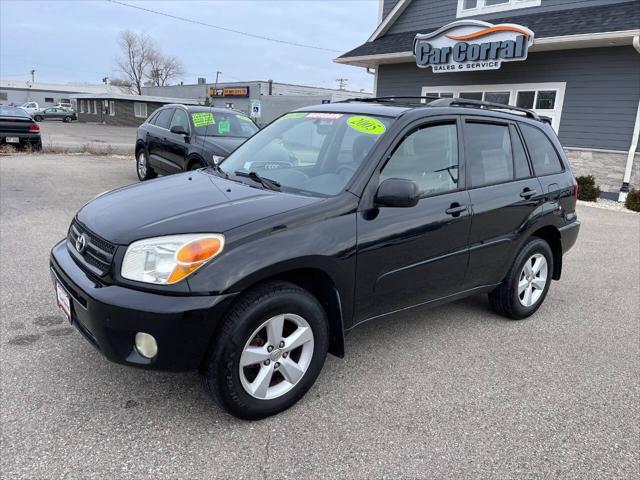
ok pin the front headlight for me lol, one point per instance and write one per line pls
(167, 260)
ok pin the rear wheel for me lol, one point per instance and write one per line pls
(527, 283)
(144, 171)
(38, 118)
(269, 351)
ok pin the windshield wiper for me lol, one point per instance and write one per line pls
(265, 182)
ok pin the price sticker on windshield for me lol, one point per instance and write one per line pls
(202, 119)
(294, 115)
(366, 125)
(224, 127)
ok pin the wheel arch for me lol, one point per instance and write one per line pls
(191, 159)
(139, 145)
(551, 235)
(317, 282)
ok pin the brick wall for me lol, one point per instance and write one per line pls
(607, 167)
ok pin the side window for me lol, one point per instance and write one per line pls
(180, 118)
(429, 157)
(488, 148)
(164, 118)
(519, 156)
(544, 157)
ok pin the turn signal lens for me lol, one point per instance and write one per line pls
(194, 255)
(166, 260)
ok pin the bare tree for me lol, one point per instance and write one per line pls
(137, 50)
(163, 69)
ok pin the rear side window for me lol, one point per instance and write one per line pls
(520, 163)
(488, 148)
(543, 155)
(164, 118)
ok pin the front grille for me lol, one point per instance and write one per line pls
(97, 255)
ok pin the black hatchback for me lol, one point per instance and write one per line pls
(177, 138)
(252, 270)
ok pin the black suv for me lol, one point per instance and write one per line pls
(177, 138)
(333, 215)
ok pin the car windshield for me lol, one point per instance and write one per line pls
(12, 112)
(309, 152)
(222, 124)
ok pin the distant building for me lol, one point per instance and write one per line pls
(272, 98)
(19, 92)
(120, 109)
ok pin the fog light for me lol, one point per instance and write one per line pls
(146, 345)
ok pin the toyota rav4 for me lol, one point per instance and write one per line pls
(251, 270)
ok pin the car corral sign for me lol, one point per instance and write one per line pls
(471, 45)
(229, 92)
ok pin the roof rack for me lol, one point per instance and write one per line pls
(463, 102)
(398, 100)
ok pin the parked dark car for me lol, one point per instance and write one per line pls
(55, 113)
(333, 215)
(177, 138)
(18, 129)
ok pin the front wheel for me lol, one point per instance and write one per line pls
(144, 171)
(66, 119)
(527, 283)
(268, 352)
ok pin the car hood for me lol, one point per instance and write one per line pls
(194, 202)
(223, 146)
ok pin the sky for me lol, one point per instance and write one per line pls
(76, 41)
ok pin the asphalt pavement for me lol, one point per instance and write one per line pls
(58, 136)
(452, 392)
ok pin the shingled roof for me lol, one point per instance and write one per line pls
(607, 18)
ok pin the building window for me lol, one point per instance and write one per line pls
(3, 96)
(140, 110)
(468, 8)
(112, 108)
(545, 99)
(65, 100)
(229, 105)
(48, 99)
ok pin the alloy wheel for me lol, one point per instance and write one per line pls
(532, 280)
(142, 164)
(276, 356)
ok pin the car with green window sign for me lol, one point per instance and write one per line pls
(178, 138)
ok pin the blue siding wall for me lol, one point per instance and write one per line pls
(431, 14)
(601, 98)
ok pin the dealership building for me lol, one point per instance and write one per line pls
(575, 62)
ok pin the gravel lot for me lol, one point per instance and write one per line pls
(453, 392)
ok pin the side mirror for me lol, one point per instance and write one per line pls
(397, 192)
(179, 129)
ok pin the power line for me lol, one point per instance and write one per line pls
(246, 34)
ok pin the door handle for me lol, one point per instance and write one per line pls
(455, 209)
(528, 193)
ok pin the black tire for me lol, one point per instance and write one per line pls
(37, 118)
(505, 300)
(221, 370)
(194, 164)
(147, 173)
(66, 119)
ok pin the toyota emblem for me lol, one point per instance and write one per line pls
(81, 243)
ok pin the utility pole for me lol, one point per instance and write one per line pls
(217, 75)
(33, 76)
(342, 83)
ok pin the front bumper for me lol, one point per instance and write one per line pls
(109, 316)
